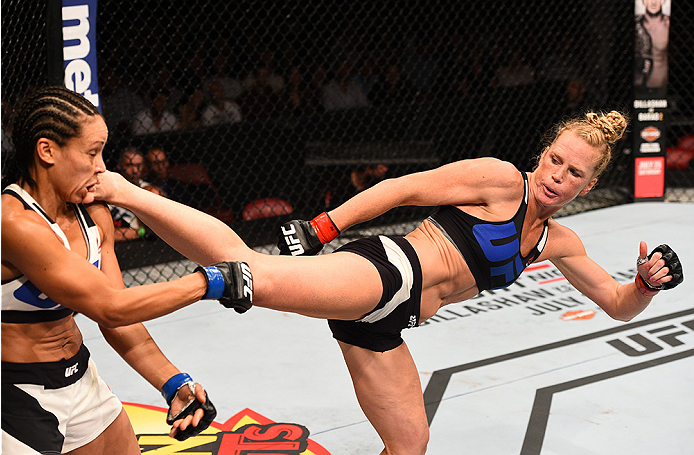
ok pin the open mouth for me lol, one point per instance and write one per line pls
(549, 191)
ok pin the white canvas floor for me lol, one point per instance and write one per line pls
(525, 370)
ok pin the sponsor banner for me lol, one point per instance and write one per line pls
(247, 433)
(649, 177)
(79, 48)
(652, 33)
(649, 148)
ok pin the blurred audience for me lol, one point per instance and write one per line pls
(158, 165)
(341, 92)
(260, 100)
(219, 110)
(131, 165)
(157, 118)
(192, 109)
(272, 78)
(392, 88)
(298, 98)
(120, 102)
(514, 71)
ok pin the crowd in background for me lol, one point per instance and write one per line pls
(220, 87)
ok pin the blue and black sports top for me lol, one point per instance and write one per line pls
(490, 248)
(22, 301)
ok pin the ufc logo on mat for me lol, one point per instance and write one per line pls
(294, 244)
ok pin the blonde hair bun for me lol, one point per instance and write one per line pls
(612, 125)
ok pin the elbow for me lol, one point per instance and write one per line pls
(623, 317)
(111, 316)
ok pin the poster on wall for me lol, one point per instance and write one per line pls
(652, 34)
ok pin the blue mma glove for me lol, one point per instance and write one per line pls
(231, 283)
(170, 391)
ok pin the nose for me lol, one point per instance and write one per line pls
(558, 175)
(100, 165)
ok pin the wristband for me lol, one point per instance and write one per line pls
(215, 282)
(325, 228)
(175, 382)
(141, 232)
(644, 288)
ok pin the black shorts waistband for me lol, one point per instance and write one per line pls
(51, 375)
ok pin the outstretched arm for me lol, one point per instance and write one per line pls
(134, 343)
(196, 235)
(467, 182)
(459, 183)
(620, 301)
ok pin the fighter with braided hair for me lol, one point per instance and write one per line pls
(58, 258)
(492, 222)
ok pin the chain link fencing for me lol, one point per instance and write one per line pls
(268, 111)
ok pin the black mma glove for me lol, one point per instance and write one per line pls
(231, 283)
(672, 262)
(170, 391)
(306, 238)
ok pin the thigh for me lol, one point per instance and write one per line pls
(119, 434)
(328, 286)
(390, 394)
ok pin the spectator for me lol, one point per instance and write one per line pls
(317, 86)
(232, 87)
(392, 88)
(359, 179)
(366, 78)
(164, 79)
(260, 100)
(514, 71)
(120, 103)
(192, 109)
(298, 99)
(131, 165)
(157, 118)
(158, 165)
(274, 80)
(341, 92)
(220, 111)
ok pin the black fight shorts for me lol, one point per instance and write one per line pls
(401, 274)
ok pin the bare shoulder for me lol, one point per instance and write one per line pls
(562, 242)
(24, 232)
(16, 216)
(100, 213)
(488, 173)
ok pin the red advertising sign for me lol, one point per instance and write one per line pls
(649, 177)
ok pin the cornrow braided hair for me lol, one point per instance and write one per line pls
(52, 113)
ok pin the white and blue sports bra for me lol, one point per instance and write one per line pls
(22, 301)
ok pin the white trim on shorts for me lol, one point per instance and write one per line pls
(399, 259)
(84, 410)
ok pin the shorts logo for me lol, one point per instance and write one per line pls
(69, 371)
(294, 244)
(413, 321)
